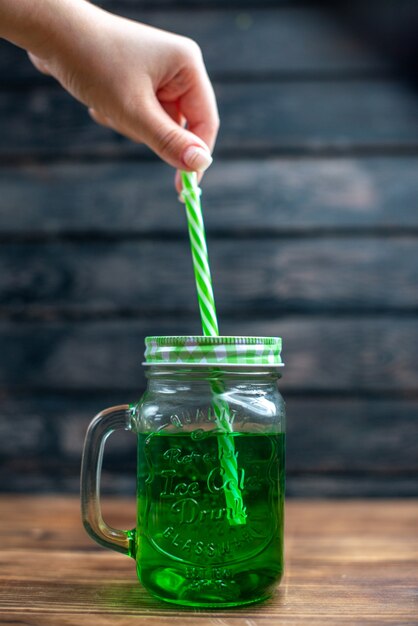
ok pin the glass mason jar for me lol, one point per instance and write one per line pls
(210, 476)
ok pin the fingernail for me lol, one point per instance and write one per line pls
(197, 158)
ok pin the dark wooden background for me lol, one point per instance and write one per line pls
(312, 218)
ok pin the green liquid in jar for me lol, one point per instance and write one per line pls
(189, 551)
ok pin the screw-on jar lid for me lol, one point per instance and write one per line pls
(198, 350)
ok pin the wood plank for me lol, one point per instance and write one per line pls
(381, 115)
(119, 592)
(322, 433)
(301, 41)
(26, 524)
(18, 477)
(369, 117)
(73, 573)
(387, 27)
(326, 485)
(330, 617)
(346, 563)
(274, 196)
(323, 354)
(332, 435)
(350, 274)
(335, 447)
(119, 5)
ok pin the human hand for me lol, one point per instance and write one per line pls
(140, 81)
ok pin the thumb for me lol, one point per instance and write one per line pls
(173, 143)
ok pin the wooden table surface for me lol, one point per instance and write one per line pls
(348, 562)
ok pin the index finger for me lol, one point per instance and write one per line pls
(198, 106)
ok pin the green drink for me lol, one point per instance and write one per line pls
(187, 549)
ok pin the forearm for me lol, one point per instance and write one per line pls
(42, 25)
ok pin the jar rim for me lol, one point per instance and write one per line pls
(214, 366)
(216, 351)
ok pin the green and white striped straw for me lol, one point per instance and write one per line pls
(191, 196)
(226, 449)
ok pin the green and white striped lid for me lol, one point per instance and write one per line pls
(199, 350)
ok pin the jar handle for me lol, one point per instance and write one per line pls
(100, 428)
